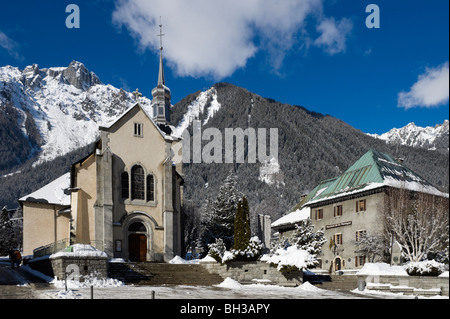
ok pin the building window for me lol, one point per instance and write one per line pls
(360, 234)
(338, 239)
(138, 130)
(361, 205)
(318, 214)
(125, 185)
(118, 246)
(337, 210)
(150, 188)
(137, 182)
(360, 261)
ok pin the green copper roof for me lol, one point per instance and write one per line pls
(373, 169)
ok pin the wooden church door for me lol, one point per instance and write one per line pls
(137, 247)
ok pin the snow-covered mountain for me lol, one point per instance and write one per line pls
(59, 109)
(430, 137)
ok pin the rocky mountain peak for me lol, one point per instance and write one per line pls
(79, 76)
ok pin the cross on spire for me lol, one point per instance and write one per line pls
(160, 35)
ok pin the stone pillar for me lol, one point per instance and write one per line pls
(264, 230)
(104, 204)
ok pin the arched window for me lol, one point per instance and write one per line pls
(125, 185)
(150, 188)
(137, 182)
(137, 227)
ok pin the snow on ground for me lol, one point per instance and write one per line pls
(229, 289)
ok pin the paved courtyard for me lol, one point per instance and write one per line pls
(23, 284)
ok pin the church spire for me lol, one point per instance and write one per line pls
(161, 80)
(161, 93)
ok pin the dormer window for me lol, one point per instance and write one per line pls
(138, 130)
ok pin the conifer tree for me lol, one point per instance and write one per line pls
(6, 233)
(239, 228)
(242, 232)
(219, 215)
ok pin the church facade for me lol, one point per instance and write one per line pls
(124, 198)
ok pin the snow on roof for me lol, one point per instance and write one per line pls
(52, 193)
(373, 170)
(292, 218)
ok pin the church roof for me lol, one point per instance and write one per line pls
(373, 170)
(168, 132)
(52, 193)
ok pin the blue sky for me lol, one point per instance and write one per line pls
(315, 53)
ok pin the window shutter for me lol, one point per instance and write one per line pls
(357, 206)
(334, 211)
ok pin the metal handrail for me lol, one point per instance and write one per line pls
(61, 245)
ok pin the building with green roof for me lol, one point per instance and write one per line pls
(349, 206)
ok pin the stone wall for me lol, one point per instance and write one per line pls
(76, 266)
(254, 272)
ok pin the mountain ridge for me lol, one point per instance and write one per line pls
(430, 137)
(312, 146)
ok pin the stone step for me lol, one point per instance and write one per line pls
(162, 274)
(333, 282)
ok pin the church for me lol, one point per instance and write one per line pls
(124, 198)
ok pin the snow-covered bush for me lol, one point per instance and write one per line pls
(217, 250)
(298, 252)
(290, 259)
(425, 268)
(251, 253)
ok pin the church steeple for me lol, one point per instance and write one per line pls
(161, 79)
(161, 93)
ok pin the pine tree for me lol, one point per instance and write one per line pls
(219, 215)
(246, 210)
(242, 232)
(305, 238)
(239, 228)
(6, 233)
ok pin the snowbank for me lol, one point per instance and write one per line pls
(230, 284)
(378, 269)
(179, 260)
(80, 250)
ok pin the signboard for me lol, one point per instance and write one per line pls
(338, 225)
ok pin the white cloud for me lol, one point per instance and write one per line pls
(9, 45)
(430, 90)
(334, 34)
(215, 38)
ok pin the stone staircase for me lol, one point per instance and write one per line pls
(332, 282)
(157, 274)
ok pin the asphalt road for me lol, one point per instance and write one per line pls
(16, 283)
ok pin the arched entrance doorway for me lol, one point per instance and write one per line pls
(337, 263)
(137, 242)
